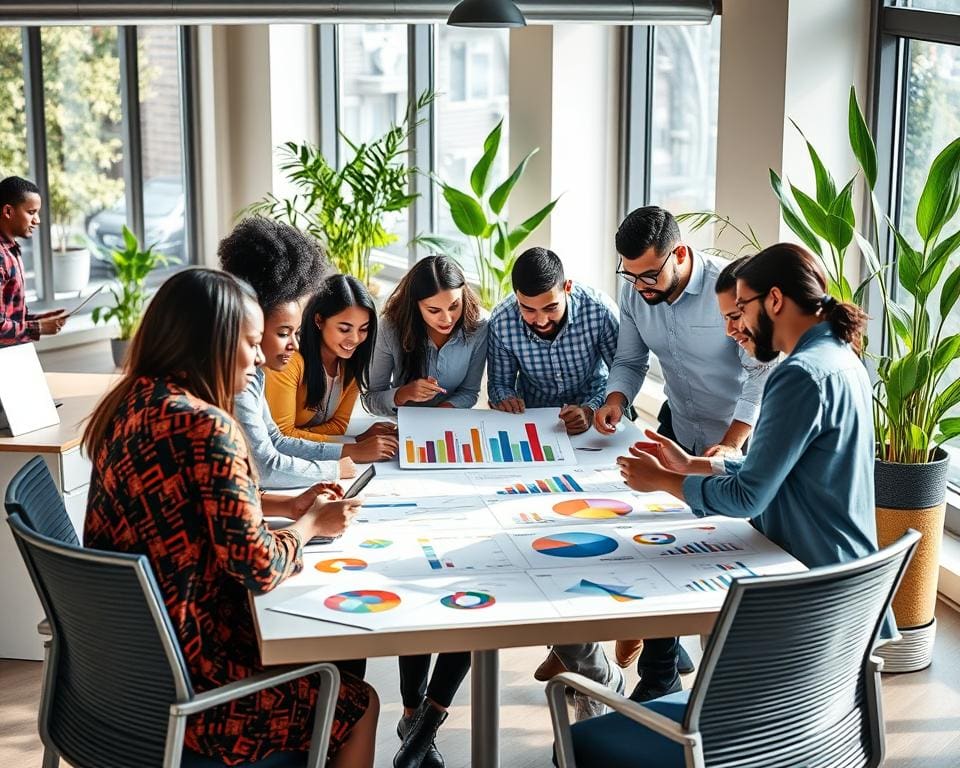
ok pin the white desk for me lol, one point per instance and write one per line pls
(287, 639)
(60, 448)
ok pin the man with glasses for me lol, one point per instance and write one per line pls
(667, 307)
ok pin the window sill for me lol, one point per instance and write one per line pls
(80, 329)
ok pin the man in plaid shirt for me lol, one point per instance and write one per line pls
(551, 343)
(19, 216)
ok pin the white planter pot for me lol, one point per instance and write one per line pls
(71, 270)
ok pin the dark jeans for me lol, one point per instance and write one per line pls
(355, 667)
(658, 659)
(448, 673)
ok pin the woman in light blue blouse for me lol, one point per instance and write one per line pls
(430, 351)
(432, 344)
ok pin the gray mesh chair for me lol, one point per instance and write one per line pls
(116, 691)
(787, 680)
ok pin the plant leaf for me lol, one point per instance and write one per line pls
(793, 218)
(937, 262)
(498, 198)
(813, 212)
(908, 264)
(949, 429)
(522, 232)
(861, 142)
(950, 292)
(465, 211)
(826, 186)
(480, 176)
(946, 352)
(940, 198)
(949, 398)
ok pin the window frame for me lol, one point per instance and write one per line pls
(894, 27)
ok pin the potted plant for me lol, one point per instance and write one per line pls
(482, 219)
(913, 400)
(347, 209)
(132, 264)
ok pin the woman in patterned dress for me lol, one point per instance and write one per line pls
(172, 480)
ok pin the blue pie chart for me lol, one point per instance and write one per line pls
(574, 544)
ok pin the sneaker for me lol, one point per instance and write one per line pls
(585, 707)
(549, 668)
(654, 689)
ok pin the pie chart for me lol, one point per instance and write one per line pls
(376, 543)
(593, 509)
(574, 544)
(654, 538)
(362, 601)
(341, 564)
(468, 600)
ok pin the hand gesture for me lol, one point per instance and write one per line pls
(576, 418)
(607, 418)
(376, 448)
(419, 391)
(298, 506)
(670, 455)
(722, 450)
(378, 428)
(331, 518)
(510, 405)
(52, 322)
(640, 471)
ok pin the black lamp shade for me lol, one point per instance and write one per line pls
(486, 13)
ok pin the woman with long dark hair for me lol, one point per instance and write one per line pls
(172, 480)
(433, 343)
(313, 396)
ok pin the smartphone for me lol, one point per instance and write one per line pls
(361, 482)
(358, 485)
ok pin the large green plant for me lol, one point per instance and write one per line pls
(480, 215)
(345, 209)
(132, 264)
(912, 400)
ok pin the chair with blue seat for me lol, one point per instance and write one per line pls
(33, 495)
(788, 679)
(116, 690)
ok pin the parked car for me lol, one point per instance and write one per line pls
(164, 220)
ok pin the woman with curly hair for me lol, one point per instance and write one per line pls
(284, 266)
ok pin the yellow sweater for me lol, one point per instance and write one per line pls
(286, 392)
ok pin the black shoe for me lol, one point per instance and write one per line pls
(646, 691)
(419, 750)
(685, 664)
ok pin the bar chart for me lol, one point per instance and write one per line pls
(720, 581)
(555, 484)
(456, 439)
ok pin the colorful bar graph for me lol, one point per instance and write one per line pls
(555, 484)
(451, 448)
(702, 548)
(467, 454)
(548, 452)
(525, 451)
(431, 452)
(431, 554)
(475, 440)
(722, 581)
(411, 452)
(534, 440)
(505, 446)
(495, 450)
(423, 455)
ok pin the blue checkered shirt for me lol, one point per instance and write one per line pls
(571, 369)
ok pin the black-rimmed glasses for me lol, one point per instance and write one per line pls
(647, 278)
(741, 303)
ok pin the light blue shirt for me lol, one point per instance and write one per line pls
(571, 368)
(709, 380)
(281, 461)
(457, 366)
(809, 471)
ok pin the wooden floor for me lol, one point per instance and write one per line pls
(922, 710)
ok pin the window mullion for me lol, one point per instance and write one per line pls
(131, 127)
(420, 73)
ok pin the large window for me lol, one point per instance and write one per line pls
(94, 114)
(920, 55)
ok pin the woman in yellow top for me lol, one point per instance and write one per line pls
(313, 396)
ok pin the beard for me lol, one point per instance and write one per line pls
(762, 338)
(551, 331)
(661, 296)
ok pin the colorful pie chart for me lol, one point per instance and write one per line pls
(593, 509)
(468, 600)
(574, 544)
(362, 601)
(654, 538)
(341, 564)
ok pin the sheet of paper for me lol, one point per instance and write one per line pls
(426, 511)
(572, 546)
(585, 509)
(24, 396)
(595, 590)
(451, 438)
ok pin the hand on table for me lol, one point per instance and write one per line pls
(376, 448)
(576, 418)
(298, 506)
(640, 472)
(331, 518)
(607, 417)
(510, 405)
(378, 428)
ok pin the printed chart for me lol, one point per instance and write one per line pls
(689, 541)
(454, 438)
(570, 547)
(443, 511)
(527, 510)
(597, 590)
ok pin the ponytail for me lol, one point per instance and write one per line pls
(847, 321)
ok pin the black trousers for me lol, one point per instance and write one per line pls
(658, 659)
(448, 673)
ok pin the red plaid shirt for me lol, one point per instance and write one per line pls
(17, 326)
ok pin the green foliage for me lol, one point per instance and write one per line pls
(911, 403)
(132, 265)
(480, 218)
(345, 209)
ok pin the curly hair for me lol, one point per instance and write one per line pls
(426, 278)
(280, 262)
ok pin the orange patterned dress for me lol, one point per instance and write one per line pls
(173, 482)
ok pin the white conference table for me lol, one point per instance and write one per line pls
(292, 639)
